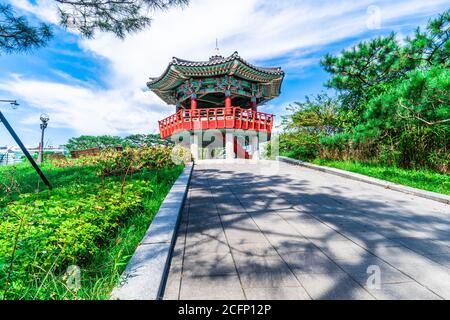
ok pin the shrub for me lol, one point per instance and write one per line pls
(112, 162)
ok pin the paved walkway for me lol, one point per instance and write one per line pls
(277, 231)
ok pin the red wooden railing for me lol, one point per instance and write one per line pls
(216, 118)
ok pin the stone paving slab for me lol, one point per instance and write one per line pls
(265, 272)
(207, 245)
(211, 287)
(358, 271)
(208, 264)
(311, 262)
(403, 291)
(245, 251)
(276, 231)
(335, 286)
(442, 259)
(281, 293)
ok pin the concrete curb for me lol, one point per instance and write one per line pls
(378, 182)
(145, 275)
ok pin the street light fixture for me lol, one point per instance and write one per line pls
(44, 119)
(13, 103)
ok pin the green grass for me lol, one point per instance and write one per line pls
(101, 275)
(421, 179)
(28, 180)
(83, 222)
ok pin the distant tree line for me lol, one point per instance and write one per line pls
(392, 104)
(107, 141)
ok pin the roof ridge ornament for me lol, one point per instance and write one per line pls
(216, 53)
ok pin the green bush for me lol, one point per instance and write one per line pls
(112, 162)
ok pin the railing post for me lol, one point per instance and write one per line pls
(240, 118)
(252, 122)
(258, 118)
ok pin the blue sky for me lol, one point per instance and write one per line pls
(97, 86)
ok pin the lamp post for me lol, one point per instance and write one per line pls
(44, 119)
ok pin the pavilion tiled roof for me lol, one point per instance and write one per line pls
(214, 60)
(179, 70)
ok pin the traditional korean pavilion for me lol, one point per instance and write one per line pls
(218, 98)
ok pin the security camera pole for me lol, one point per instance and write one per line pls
(44, 119)
(22, 147)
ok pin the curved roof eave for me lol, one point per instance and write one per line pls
(153, 83)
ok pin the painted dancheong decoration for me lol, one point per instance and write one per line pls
(217, 100)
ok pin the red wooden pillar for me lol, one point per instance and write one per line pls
(195, 115)
(228, 107)
(253, 103)
(193, 102)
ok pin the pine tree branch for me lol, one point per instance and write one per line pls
(415, 116)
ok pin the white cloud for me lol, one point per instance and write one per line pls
(259, 30)
(43, 9)
(86, 110)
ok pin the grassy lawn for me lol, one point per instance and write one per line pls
(422, 179)
(86, 221)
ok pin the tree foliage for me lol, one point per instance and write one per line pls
(86, 142)
(413, 118)
(107, 141)
(392, 106)
(309, 120)
(117, 16)
(87, 17)
(430, 47)
(370, 67)
(144, 140)
(316, 114)
(17, 34)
